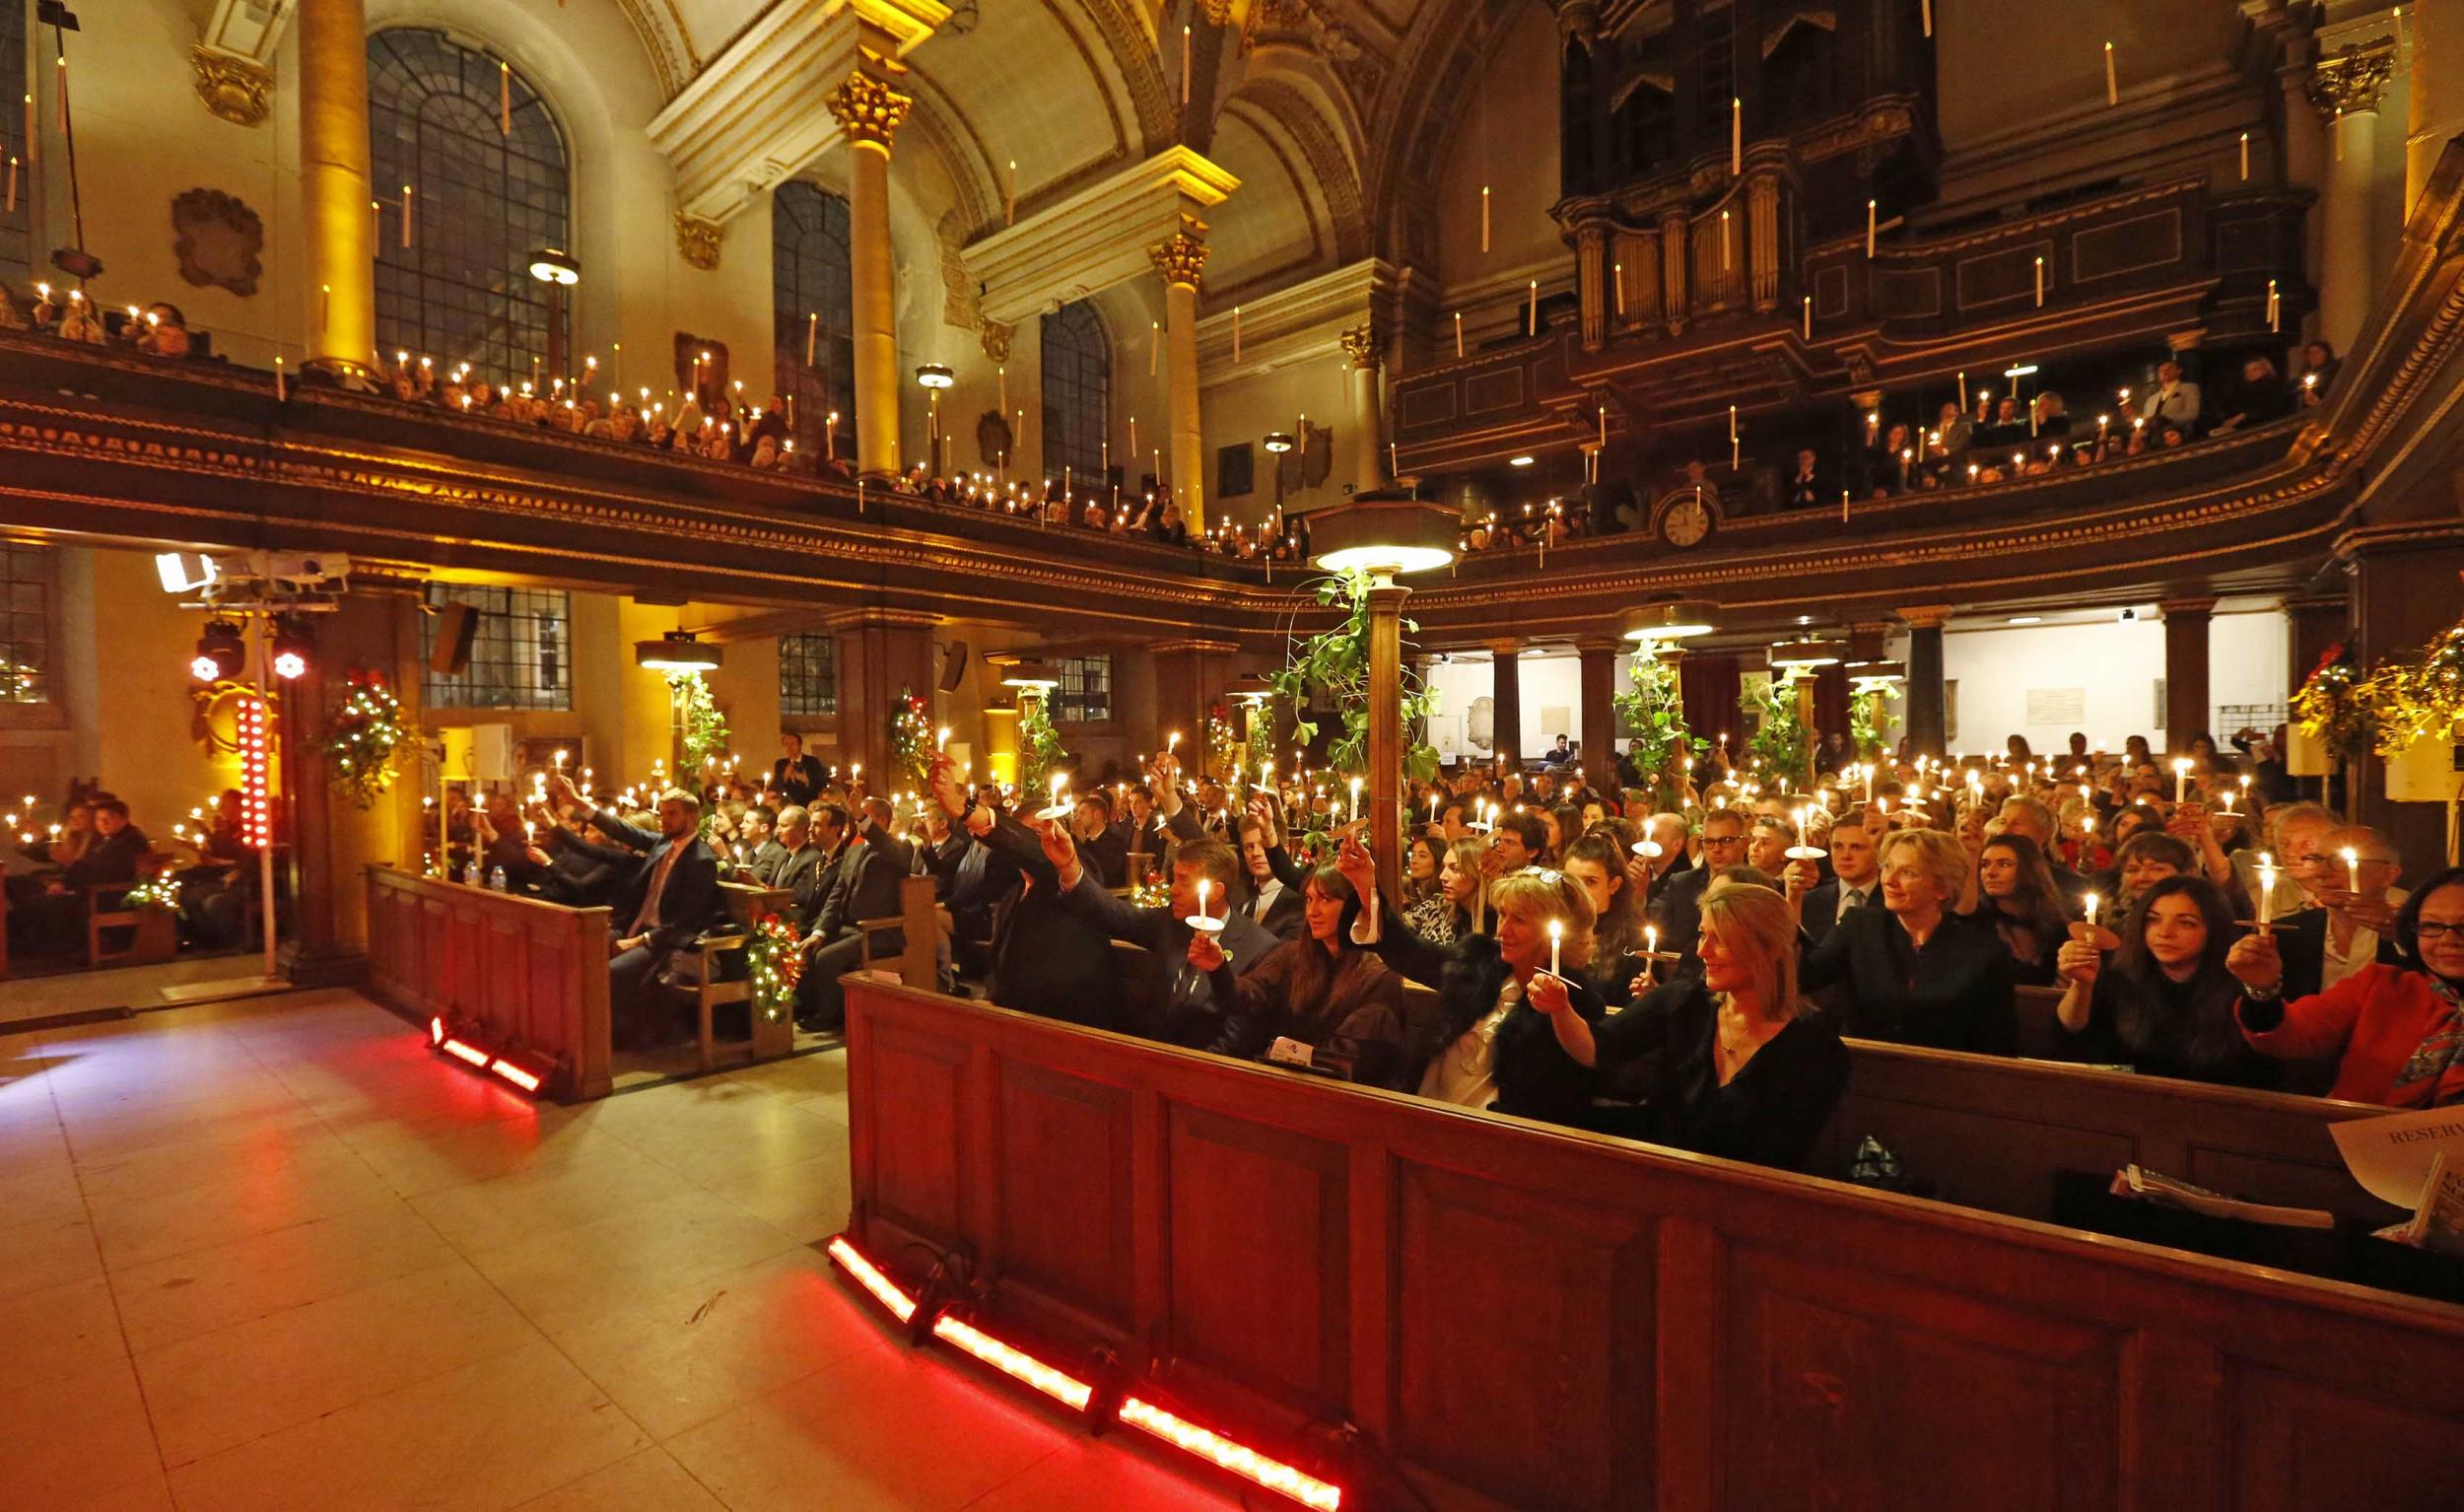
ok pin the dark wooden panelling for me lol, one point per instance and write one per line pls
(1830, 293)
(1486, 393)
(1430, 404)
(1907, 294)
(1259, 1253)
(917, 1121)
(1061, 1186)
(2304, 1445)
(2005, 274)
(2143, 244)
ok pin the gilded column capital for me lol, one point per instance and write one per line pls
(1181, 257)
(697, 240)
(866, 105)
(2354, 81)
(1360, 345)
(232, 86)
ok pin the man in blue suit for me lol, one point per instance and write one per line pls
(671, 900)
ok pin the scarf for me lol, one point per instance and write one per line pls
(2419, 1083)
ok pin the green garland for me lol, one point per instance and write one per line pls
(1781, 741)
(1222, 745)
(1654, 719)
(2414, 695)
(1337, 664)
(705, 727)
(773, 965)
(161, 893)
(912, 745)
(367, 741)
(1865, 712)
(1039, 747)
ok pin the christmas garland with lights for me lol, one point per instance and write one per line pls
(2336, 707)
(1223, 746)
(705, 727)
(773, 967)
(2417, 695)
(911, 739)
(160, 892)
(367, 739)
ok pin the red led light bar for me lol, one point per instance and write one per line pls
(1239, 1459)
(461, 1052)
(885, 1290)
(436, 1031)
(515, 1074)
(1067, 1390)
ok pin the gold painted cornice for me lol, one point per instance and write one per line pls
(1181, 258)
(232, 88)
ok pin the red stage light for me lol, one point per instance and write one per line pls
(515, 1074)
(436, 1031)
(885, 1290)
(461, 1052)
(1242, 1460)
(1065, 1389)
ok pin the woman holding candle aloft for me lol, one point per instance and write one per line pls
(1489, 1045)
(1596, 863)
(2163, 1004)
(1914, 971)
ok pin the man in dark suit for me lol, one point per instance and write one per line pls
(863, 885)
(1856, 877)
(672, 899)
(53, 921)
(800, 874)
(795, 777)
(1103, 845)
(757, 837)
(1271, 901)
(1045, 956)
(1175, 1002)
(1679, 908)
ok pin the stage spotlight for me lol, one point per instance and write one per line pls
(220, 653)
(294, 648)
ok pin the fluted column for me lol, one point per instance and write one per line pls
(1182, 261)
(2435, 90)
(1365, 374)
(2346, 90)
(333, 186)
(870, 108)
(1591, 282)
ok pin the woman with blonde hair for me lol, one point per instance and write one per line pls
(1490, 1043)
(1743, 1071)
(1913, 969)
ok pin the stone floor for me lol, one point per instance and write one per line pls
(274, 1254)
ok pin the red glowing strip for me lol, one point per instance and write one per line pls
(515, 1074)
(436, 1031)
(1067, 1390)
(461, 1052)
(255, 827)
(883, 1290)
(1242, 1460)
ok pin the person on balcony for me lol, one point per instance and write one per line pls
(2320, 367)
(2265, 396)
(2175, 399)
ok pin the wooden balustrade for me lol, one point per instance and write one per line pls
(1525, 1316)
(523, 974)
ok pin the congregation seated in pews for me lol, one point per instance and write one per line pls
(92, 887)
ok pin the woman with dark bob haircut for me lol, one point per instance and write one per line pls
(2398, 1031)
(2164, 1004)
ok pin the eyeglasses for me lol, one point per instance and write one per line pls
(2430, 928)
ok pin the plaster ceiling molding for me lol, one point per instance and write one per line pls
(756, 116)
(959, 304)
(247, 28)
(1330, 148)
(1043, 84)
(1096, 238)
(664, 39)
(1439, 61)
(1314, 28)
(1300, 323)
(232, 88)
(1278, 230)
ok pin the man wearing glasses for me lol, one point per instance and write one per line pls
(1677, 911)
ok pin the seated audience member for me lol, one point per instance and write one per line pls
(1913, 971)
(1047, 956)
(1515, 843)
(1722, 845)
(2264, 395)
(1489, 1045)
(1459, 906)
(2398, 1030)
(2164, 1005)
(2341, 930)
(1176, 1003)
(53, 920)
(2036, 820)
(585, 870)
(497, 829)
(2015, 895)
(1561, 824)
(757, 836)
(164, 332)
(2320, 365)
(1424, 865)
(1319, 989)
(1745, 1070)
(1767, 848)
(1855, 877)
(2173, 401)
(1596, 863)
(861, 885)
(669, 902)
(1273, 903)
(2147, 857)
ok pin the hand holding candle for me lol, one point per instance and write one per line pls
(2267, 890)
(1556, 943)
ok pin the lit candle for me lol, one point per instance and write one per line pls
(1204, 886)
(2274, 306)
(2267, 889)
(1724, 241)
(1809, 318)
(1736, 135)
(2112, 90)
(1172, 745)
(1356, 798)
(1458, 334)
(1616, 277)
(1651, 939)
(2041, 296)
(1556, 943)
(504, 99)
(2181, 779)
(2352, 867)
(2245, 156)
(2090, 901)
(1484, 218)
(941, 740)
(1871, 208)
(1535, 304)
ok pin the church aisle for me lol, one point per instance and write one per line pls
(272, 1254)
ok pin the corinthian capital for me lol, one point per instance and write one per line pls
(2354, 80)
(866, 105)
(1181, 258)
(1360, 345)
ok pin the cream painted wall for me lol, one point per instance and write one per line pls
(142, 640)
(1245, 409)
(2000, 65)
(1506, 136)
(1550, 685)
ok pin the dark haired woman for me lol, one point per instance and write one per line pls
(1322, 989)
(2016, 895)
(1596, 864)
(2398, 1030)
(2164, 1004)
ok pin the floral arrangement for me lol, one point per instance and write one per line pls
(2416, 695)
(705, 727)
(367, 741)
(1865, 712)
(1781, 743)
(2331, 705)
(1337, 664)
(911, 739)
(1652, 718)
(160, 893)
(1038, 745)
(774, 966)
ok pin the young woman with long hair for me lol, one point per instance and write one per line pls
(2016, 895)
(2165, 1003)
(1320, 988)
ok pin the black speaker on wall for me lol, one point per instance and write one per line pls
(458, 625)
(953, 665)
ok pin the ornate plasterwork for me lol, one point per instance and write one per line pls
(961, 305)
(1360, 345)
(1181, 258)
(1338, 179)
(697, 240)
(2354, 81)
(1304, 22)
(232, 86)
(997, 340)
(867, 107)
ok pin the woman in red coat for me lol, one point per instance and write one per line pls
(2399, 1030)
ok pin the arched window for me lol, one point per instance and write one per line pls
(17, 223)
(483, 200)
(1077, 391)
(812, 308)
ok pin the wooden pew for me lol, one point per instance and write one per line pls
(1525, 1316)
(527, 974)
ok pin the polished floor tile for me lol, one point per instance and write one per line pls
(274, 1254)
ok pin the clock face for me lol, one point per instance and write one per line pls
(1685, 522)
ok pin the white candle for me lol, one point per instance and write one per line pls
(941, 740)
(2181, 779)
(2274, 306)
(1204, 886)
(1651, 939)
(1172, 744)
(2351, 867)
(1356, 798)
(2245, 156)
(1871, 210)
(1557, 942)
(2092, 910)
(1736, 135)
(2267, 889)
(2112, 91)
(1809, 318)
(1458, 333)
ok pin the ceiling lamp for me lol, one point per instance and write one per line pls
(1869, 676)
(1668, 619)
(1798, 656)
(1279, 441)
(1524, 460)
(1250, 690)
(935, 376)
(678, 650)
(1383, 536)
(220, 653)
(551, 266)
(1037, 676)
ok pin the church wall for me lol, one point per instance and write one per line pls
(1240, 411)
(1505, 136)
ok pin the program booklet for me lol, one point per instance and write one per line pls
(2149, 1186)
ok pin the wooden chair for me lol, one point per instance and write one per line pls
(710, 951)
(115, 913)
(923, 920)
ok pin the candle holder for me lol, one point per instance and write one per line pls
(2095, 934)
(1204, 924)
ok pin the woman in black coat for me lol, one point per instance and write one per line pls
(1490, 1044)
(1912, 971)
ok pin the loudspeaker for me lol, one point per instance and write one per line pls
(953, 665)
(458, 624)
